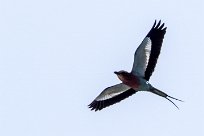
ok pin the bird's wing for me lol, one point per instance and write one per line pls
(111, 95)
(147, 53)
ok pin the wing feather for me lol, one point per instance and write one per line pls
(141, 57)
(147, 53)
(110, 96)
(156, 34)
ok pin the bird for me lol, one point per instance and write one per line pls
(145, 60)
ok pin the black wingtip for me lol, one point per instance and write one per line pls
(155, 22)
(95, 106)
(164, 29)
(158, 24)
(161, 26)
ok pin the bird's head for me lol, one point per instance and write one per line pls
(121, 72)
(122, 75)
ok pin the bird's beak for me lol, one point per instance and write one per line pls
(116, 72)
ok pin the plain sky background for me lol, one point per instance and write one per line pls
(56, 56)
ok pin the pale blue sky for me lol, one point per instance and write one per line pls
(56, 56)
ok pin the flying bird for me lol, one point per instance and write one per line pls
(145, 59)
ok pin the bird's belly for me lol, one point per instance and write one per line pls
(133, 84)
(144, 86)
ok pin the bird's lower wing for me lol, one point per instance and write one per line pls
(111, 95)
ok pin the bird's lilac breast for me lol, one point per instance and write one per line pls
(131, 80)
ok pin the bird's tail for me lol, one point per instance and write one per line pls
(160, 93)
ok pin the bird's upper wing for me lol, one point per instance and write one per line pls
(147, 53)
(111, 95)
